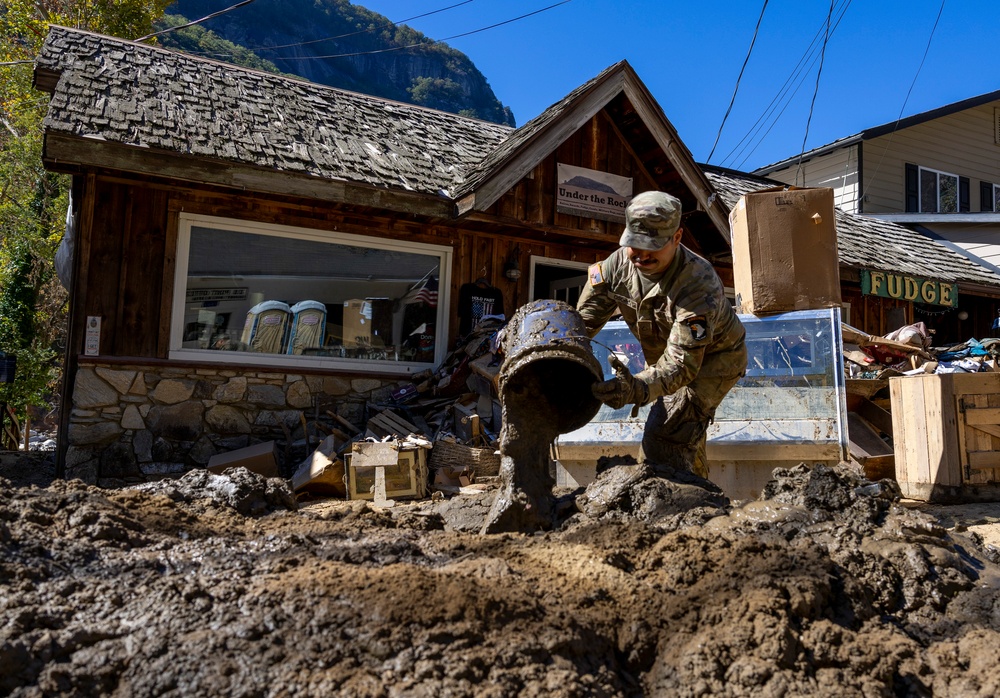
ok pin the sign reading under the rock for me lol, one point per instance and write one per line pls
(908, 288)
(583, 192)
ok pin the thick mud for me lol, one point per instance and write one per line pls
(219, 585)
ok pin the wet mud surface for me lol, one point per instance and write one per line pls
(646, 586)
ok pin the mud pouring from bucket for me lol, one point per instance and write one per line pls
(545, 390)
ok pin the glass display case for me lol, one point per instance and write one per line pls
(790, 407)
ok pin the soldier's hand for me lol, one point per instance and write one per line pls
(621, 390)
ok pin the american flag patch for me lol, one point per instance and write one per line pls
(596, 274)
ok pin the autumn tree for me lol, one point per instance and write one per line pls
(33, 202)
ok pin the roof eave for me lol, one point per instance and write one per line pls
(66, 153)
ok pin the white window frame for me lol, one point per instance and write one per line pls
(937, 204)
(291, 361)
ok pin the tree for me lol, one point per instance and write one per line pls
(32, 201)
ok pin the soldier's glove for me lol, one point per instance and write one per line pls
(621, 390)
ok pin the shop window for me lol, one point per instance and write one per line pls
(257, 293)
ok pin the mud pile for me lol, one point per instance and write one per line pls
(825, 588)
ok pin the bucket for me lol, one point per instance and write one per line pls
(548, 363)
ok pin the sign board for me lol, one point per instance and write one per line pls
(592, 194)
(908, 288)
(92, 341)
(200, 295)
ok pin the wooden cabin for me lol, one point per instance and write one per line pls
(248, 248)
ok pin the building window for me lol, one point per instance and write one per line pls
(250, 292)
(938, 192)
(931, 191)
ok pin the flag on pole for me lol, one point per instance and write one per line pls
(428, 292)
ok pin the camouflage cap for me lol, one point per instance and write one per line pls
(651, 219)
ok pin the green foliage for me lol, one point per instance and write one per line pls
(199, 41)
(33, 201)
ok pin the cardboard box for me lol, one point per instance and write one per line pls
(785, 250)
(322, 473)
(357, 323)
(260, 458)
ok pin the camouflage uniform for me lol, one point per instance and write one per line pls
(692, 340)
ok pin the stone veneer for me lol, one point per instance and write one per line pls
(144, 422)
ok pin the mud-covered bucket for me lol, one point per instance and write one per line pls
(548, 363)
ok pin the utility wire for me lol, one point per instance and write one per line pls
(905, 100)
(421, 43)
(812, 104)
(801, 67)
(197, 21)
(360, 31)
(798, 75)
(739, 77)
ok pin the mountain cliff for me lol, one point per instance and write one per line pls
(336, 43)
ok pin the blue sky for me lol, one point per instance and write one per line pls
(689, 55)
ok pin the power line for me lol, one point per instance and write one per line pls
(802, 68)
(738, 79)
(798, 74)
(812, 104)
(421, 43)
(360, 31)
(197, 21)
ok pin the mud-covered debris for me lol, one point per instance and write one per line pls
(637, 492)
(247, 492)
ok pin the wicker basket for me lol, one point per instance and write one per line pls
(483, 461)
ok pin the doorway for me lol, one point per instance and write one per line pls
(559, 279)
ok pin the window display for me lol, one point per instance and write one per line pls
(278, 294)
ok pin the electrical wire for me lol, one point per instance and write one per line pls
(812, 104)
(801, 69)
(739, 77)
(360, 31)
(920, 67)
(197, 21)
(421, 43)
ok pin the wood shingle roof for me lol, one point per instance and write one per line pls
(148, 97)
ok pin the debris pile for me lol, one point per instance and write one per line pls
(448, 420)
(908, 351)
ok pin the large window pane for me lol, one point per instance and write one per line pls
(928, 191)
(949, 194)
(280, 295)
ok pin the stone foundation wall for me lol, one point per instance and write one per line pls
(140, 423)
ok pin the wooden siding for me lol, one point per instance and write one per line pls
(963, 144)
(837, 170)
(978, 239)
(127, 258)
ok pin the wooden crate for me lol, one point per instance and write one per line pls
(946, 434)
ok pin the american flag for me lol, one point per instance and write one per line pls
(428, 292)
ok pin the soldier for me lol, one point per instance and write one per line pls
(693, 342)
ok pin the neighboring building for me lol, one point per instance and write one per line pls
(937, 172)
(249, 248)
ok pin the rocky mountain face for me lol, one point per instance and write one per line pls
(336, 43)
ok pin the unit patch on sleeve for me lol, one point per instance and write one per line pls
(698, 328)
(596, 274)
